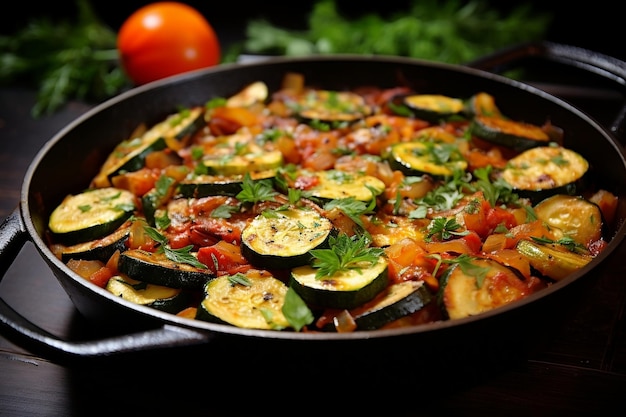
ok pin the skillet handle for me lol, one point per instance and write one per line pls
(604, 66)
(13, 236)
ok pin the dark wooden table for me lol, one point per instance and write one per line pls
(576, 364)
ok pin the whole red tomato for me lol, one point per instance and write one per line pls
(166, 38)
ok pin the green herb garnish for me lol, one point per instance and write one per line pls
(181, 255)
(345, 253)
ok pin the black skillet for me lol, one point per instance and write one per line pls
(71, 158)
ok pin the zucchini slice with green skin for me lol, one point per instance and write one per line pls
(426, 157)
(130, 155)
(571, 216)
(251, 301)
(199, 186)
(433, 107)
(99, 249)
(480, 285)
(156, 268)
(546, 170)
(283, 239)
(397, 301)
(170, 300)
(247, 158)
(552, 260)
(346, 289)
(482, 104)
(157, 197)
(257, 92)
(515, 135)
(332, 106)
(335, 184)
(91, 215)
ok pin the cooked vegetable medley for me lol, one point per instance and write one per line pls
(315, 210)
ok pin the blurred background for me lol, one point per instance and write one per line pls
(451, 31)
(593, 25)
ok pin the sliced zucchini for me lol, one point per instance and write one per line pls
(571, 217)
(332, 106)
(239, 154)
(282, 239)
(552, 260)
(253, 301)
(346, 289)
(396, 301)
(257, 92)
(546, 170)
(99, 249)
(91, 215)
(480, 285)
(171, 300)
(516, 135)
(130, 155)
(156, 268)
(435, 134)
(198, 186)
(165, 188)
(433, 107)
(482, 104)
(335, 184)
(427, 157)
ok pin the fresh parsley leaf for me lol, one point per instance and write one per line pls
(345, 253)
(256, 191)
(442, 228)
(181, 255)
(296, 311)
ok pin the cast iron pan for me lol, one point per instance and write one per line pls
(71, 158)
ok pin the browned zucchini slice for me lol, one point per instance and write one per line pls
(571, 217)
(332, 106)
(546, 170)
(433, 107)
(552, 260)
(438, 159)
(516, 135)
(91, 215)
(479, 285)
(282, 239)
(253, 301)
